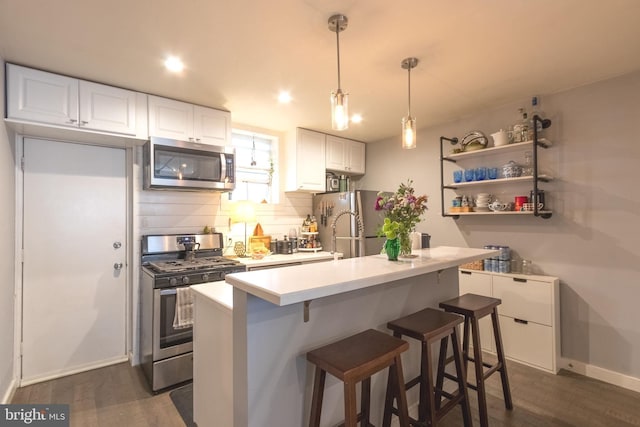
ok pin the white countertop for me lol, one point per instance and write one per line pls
(280, 259)
(220, 292)
(284, 286)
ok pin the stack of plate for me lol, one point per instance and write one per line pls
(482, 202)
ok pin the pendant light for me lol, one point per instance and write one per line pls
(409, 122)
(339, 99)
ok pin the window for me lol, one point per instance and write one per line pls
(256, 156)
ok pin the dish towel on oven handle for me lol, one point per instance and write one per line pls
(183, 317)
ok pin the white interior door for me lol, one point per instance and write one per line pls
(73, 314)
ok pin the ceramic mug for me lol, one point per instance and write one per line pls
(530, 206)
(520, 201)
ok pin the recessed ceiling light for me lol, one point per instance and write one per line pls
(284, 97)
(174, 64)
(356, 118)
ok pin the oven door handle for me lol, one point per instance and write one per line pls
(164, 292)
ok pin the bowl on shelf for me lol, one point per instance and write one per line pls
(497, 206)
(511, 170)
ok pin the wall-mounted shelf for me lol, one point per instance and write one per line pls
(491, 152)
(497, 213)
(520, 179)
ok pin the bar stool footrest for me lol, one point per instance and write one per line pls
(450, 376)
(412, 383)
(471, 359)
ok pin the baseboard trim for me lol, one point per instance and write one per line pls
(9, 393)
(60, 374)
(602, 374)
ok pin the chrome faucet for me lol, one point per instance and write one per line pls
(360, 231)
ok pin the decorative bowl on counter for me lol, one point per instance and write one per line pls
(511, 170)
(260, 255)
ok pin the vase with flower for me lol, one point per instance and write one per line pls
(405, 209)
(392, 244)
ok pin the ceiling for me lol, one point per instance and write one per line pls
(239, 54)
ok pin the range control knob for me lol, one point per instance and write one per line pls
(173, 281)
(185, 280)
(205, 277)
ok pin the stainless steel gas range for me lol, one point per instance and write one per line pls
(171, 262)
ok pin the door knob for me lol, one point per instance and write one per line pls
(117, 266)
(117, 245)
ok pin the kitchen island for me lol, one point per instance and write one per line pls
(278, 315)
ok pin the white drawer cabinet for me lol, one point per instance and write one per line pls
(527, 342)
(529, 314)
(40, 97)
(479, 284)
(187, 122)
(524, 299)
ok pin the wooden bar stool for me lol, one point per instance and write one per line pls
(355, 359)
(429, 326)
(473, 307)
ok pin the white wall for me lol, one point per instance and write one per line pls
(592, 241)
(7, 252)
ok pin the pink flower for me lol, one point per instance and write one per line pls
(379, 203)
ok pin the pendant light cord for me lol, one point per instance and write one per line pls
(338, 50)
(409, 91)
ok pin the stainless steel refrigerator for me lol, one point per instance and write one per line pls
(328, 206)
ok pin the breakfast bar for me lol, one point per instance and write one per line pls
(279, 315)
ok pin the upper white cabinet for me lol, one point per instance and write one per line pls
(345, 155)
(35, 96)
(305, 165)
(179, 120)
(107, 108)
(38, 96)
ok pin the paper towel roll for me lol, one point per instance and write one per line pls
(416, 240)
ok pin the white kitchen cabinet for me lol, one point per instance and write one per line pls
(187, 122)
(529, 314)
(344, 155)
(107, 108)
(35, 96)
(38, 96)
(305, 162)
(479, 284)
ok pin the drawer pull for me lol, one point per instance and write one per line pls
(517, 279)
(524, 322)
(465, 272)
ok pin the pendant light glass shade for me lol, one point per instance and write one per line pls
(409, 122)
(339, 110)
(408, 132)
(339, 99)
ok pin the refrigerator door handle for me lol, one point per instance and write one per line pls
(359, 232)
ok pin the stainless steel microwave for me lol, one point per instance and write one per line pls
(182, 165)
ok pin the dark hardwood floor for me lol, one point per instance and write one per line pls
(118, 396)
